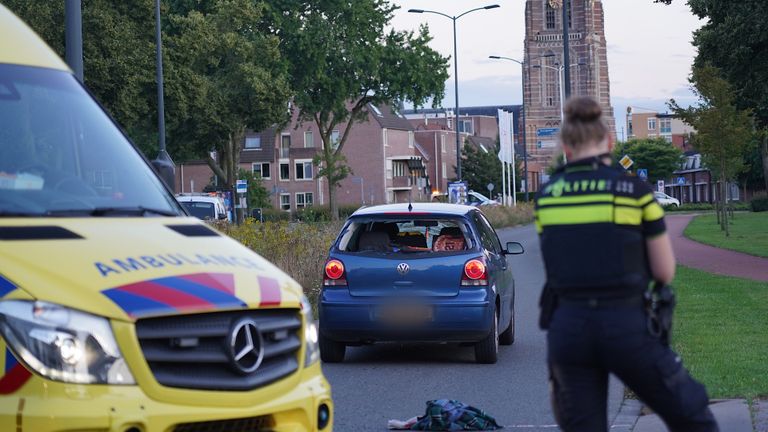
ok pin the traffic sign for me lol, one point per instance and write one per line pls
(241, 186)
(681, 181)
(660, 186)
(626, 162)
(642, 173)
(490, 187)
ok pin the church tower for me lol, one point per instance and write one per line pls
(544, 56)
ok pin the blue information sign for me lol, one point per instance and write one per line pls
(642, 173)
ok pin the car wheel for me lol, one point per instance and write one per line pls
(508, 336)
(487, 350)
(330, 350)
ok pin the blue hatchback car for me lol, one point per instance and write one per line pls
(418, 272)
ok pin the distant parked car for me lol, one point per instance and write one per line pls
(203, 206)
(422, 273)
(478, 199)
(666, 200)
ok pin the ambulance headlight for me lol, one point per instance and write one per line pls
(63, 344)
(312, 353)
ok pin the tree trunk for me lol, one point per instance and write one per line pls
(764, 154)
(724, 188)
(332, 201)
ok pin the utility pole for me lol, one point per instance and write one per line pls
(566, 51)
(163, 164)
(73, 24)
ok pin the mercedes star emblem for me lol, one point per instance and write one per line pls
(245, 346)
(403, 268)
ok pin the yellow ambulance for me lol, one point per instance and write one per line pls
(118, 312)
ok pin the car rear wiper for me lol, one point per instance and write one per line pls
(113, 211)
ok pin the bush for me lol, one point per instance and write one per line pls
(275, 215)
(502, 217)
(737, 206)
(323, 213)
(299, 249)
(759, 204)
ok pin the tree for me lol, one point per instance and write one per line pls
(341, 60)
(118, 57)
(724, 133)
(656, 155)
(480, 168)
(224, 78)
(258, 195)
(734, 39)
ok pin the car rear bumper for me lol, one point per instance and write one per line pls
(466, 317)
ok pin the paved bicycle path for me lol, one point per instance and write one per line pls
(711, 259)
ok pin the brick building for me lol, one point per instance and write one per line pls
(544, 55)
(387, 163)
(648, 124)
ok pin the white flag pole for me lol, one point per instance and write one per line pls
(503, 184)
(513, 165)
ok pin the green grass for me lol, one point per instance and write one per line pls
(721, 331)
(749, 233)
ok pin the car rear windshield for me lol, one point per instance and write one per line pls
(199, 209)
(382, 235)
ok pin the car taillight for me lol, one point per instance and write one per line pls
(335, 274)
(475, 273)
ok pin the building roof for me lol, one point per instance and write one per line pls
(389, 118)
(489, 144)
(489, 110)
(419, 209)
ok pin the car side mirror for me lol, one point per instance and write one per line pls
(514, 248)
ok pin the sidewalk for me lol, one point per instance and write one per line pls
(711, 259)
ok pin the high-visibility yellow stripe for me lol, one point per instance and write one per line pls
(576, 215)
(634, 202)
(576, 199)
(538, 226)
(628, 216)
(653, 212)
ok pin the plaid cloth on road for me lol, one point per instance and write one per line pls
(451, 415)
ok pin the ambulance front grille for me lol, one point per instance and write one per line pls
(193, 351)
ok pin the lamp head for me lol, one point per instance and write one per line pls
(494, 57)
(416, 10)
(494, 6)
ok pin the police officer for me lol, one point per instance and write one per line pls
(603, 241)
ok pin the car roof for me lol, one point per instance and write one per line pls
(19, 45)
(201, 198)
(417, 209)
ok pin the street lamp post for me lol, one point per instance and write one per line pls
(455, 72)
(524, 65)
(561, 73)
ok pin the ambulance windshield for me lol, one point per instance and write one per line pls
(61, 155)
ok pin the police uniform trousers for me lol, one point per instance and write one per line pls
(586, 342)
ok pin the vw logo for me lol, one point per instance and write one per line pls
(403, 268)
(245, 346)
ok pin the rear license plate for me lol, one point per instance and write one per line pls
(405, 314)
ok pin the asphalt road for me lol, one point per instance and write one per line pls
(392, 381)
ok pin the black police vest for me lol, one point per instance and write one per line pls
(590, 220)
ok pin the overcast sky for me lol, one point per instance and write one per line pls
(649, 50)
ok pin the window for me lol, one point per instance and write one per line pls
(335, 138)
(651, 124)
(400, 168)
(304, 170)
(445, 171)
(406, 236)
(285, 171)
(551, 23)
(668, 138)
(384, 137)
(410, 139)
(488, 237)
(253, 143)
(466, 126)
(442, 143)
(285, 145)
(262, 169)
(309, 139)
(389, 169)
(304, 199)
(666, 125)
(285, 202)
